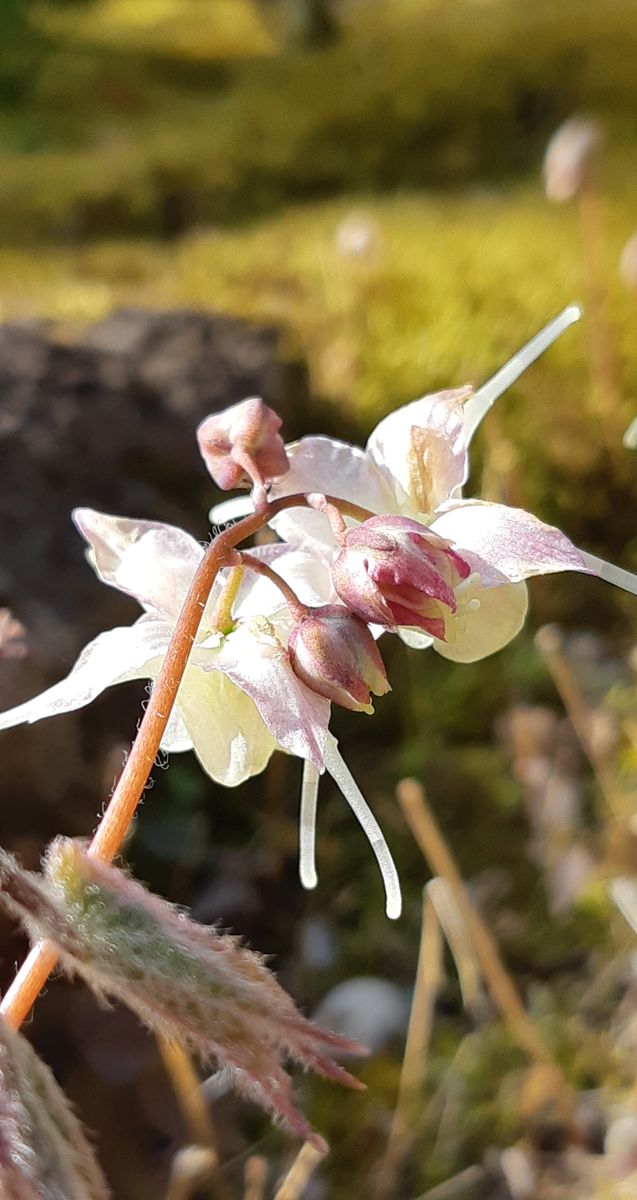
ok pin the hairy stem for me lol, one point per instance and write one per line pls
(115, 823)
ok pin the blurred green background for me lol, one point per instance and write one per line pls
(366, 176)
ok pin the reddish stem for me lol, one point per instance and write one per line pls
(110, 834)
(296, 606)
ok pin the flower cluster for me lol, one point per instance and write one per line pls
(371, 541)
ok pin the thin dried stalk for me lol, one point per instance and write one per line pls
(191, 1168)
(421, 821)
(429, 975)
(549, 642)
(604, 362)
(299, 1174)
(187, 1087)
(459, 941)
(467, 1184)
(255, 1177)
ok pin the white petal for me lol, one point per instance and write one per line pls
(151, 561)
(342, 776)
(516, 543)
(228, 735)
(416, 639)
(307, 826)
(319, 464)
(620, 578)
(254, 658)
(486, 620)
(231, 510)
(128, 652)
(176, 738)
(308, 574)
(479, 405)
(422, 448)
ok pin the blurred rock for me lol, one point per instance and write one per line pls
(106, 420)
(372, 1011)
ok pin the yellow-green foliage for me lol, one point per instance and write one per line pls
(450, 288)
(145, 117)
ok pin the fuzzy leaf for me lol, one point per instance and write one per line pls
(44, 1154)
(184, 980)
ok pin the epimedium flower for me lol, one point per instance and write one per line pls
(240, 697)
(445, 570)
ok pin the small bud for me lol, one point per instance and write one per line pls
(184, 980)
(335, 654)
(44, 1154)
(394, 571)
(569, 158)
(243, 444)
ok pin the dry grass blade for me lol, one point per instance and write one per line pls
(458, 938)
(255, 1177)
(299, 1174)
(191, 1168)
(503, 991)
(187, 1087)
(469, 1184)
(429, 976)
(549, 642)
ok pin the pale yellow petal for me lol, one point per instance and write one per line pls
(486, 620)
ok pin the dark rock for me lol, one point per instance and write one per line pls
(105, 420)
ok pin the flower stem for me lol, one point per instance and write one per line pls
(296, 607)
(115, 823)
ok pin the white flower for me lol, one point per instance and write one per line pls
(415, 465)
(239, 698)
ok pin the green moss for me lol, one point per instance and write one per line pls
(188, 115)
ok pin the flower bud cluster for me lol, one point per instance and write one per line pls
(390, 571)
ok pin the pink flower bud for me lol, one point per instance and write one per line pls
(569, 157)
(242, 444)
(394, 571)
(334, 653)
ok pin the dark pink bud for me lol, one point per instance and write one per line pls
(242, 444)
(334, 653)
(394, 571)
